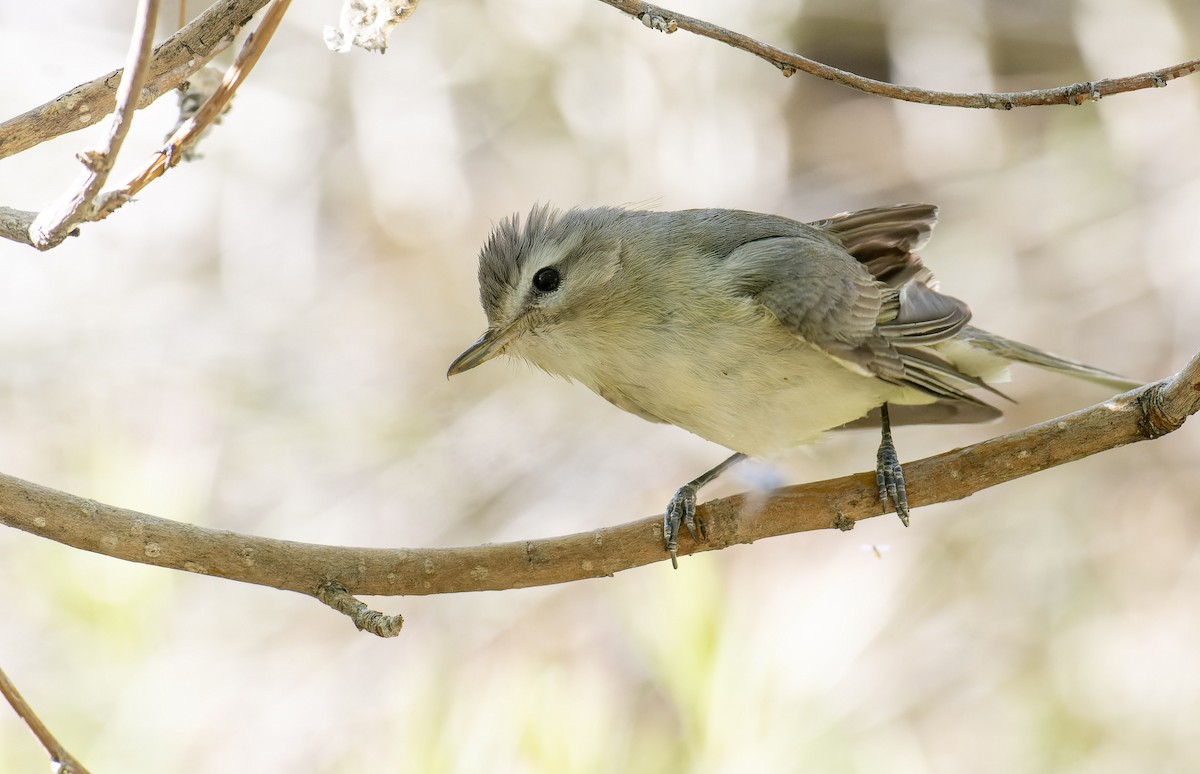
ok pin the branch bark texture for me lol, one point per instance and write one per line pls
(1146, 413)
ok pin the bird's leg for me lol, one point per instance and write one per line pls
(888, 473)
(682, 508)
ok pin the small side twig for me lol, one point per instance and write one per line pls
(57, 221)
(664, 20)
(67, 764)
(367, 620)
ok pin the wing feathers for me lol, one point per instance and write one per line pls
(854, 287)
(824, 292)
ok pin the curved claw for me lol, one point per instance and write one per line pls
(681, 510)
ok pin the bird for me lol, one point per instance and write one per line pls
(754, 331)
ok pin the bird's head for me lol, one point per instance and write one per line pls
(541, 280)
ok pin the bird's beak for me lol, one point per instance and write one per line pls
(490, 344)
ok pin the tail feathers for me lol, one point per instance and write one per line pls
(1023, 353)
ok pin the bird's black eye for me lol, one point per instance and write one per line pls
(546, 280)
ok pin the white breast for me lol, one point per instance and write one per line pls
(732, 375)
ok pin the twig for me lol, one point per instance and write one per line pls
(335, 595)
(1148, 412)
(179, 56)
(58, 220)
(212, 108)
(664, 20)
(65, 761)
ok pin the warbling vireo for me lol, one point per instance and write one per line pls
(754, 331)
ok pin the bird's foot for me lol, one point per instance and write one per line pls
(681, 511)
(889, 475)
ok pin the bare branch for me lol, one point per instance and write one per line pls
(58, 220)
(52, 226)
(1146, 413)
(179, 56)
(212, 108)
(663, 20)
(65, 761)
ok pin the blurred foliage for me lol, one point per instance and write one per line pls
(260, 343)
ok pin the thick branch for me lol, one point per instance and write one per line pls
(664, 20)
(179, 56)
(65, 761)
(1142, 414)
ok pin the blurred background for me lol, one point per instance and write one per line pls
(259, 344)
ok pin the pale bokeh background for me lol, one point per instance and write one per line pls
(260, 342)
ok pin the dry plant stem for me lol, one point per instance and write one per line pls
(65, 761)
(1148, 412)
(58, 220)
(661, 19)
(179, 56)
(191, 129)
